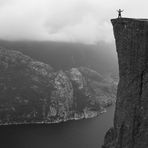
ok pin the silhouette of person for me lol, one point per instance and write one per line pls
(119, 13)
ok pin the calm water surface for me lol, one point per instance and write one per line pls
(72, 134)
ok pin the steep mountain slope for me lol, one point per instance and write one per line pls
(32, 92)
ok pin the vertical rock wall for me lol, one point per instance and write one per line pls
(131, 114)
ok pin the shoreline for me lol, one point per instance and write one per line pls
(96, 114)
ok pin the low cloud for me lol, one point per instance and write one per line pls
(85, 21)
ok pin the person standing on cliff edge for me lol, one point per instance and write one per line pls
(119, 13)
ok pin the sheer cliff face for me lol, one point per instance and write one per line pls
(131, 115)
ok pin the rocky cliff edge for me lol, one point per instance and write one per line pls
(131, 114)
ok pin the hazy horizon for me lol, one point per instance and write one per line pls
(64, 55)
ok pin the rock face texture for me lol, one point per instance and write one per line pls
(131, 115)
(32, 92)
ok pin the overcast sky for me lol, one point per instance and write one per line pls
(85, 21)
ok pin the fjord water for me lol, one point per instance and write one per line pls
(72, 134)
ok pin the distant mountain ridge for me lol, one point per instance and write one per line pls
(61, 55)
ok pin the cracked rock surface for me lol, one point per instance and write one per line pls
(131, 115)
